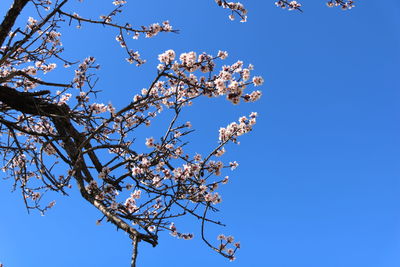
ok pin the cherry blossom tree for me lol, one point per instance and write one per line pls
(54, 136)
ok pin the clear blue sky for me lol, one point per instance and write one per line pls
(319, 178)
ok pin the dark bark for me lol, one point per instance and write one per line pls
(10, 18)
(29, 104)
(61, 115)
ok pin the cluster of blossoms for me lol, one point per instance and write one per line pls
(167, 57)
(225, 241)
(31, 23)
(231, 80)
(98, 108)
(343, 4)
(213, 198)
(233, 130)
(290, 5)
(106, 19)
(220, 152)
(189, 60)
(175, 233)
(120, 39)
(233, 165)
(42, 127)
(156, 28)
(40, 65)
(119, 2)
(130, 203)
(52, 37)
(233, 88)
(150, 142)
(80, 73)
(237, 8)
(134, 56)
(64, 98)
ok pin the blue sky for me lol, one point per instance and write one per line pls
(318, 181)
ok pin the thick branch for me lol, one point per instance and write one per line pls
(60, 116)
(10, 18)
(27, 103)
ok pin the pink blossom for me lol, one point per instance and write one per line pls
(167, 57)
(258, 80)
(233, 165)
(150, 142)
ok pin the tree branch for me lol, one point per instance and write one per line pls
(10, 18)
(135, 243)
